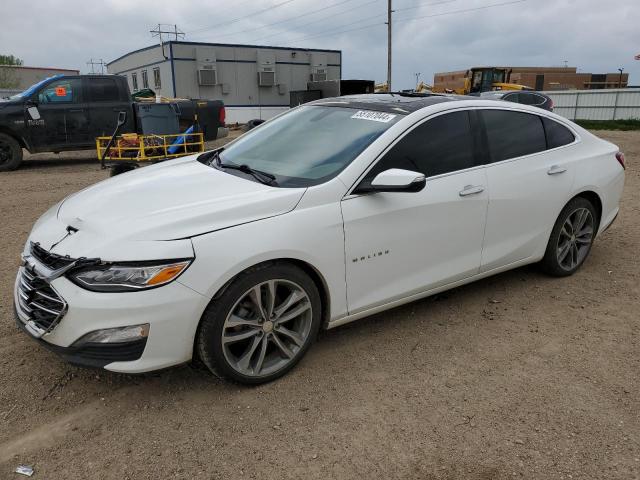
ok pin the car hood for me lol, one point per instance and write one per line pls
(173, 200)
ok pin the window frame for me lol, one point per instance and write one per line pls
(77, 96)
(89, 93)
(134, 81)
(482, 127)
(145, 78)
(157, 81)
(478, 148)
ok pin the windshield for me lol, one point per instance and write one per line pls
(308, 145)
(32, 88)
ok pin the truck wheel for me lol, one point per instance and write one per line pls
(10, 153)
(118, 169)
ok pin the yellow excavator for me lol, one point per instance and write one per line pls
(423, 88)
(482, 79)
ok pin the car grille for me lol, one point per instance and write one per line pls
(39, 301)
(48, 259)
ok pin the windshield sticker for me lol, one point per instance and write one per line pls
(374, 116)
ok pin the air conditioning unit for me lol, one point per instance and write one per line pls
(206, 65)
(320, 75)
(266, 78)
(266, 68)
(207, 77)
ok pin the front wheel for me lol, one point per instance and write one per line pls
(10, 153)
(262, 325)
(571, 238)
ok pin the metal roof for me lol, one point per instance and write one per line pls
(234, 45)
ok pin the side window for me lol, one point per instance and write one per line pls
(440, 145)
(511, 97)
(145, 79)
(134, 81)
(540, 100)
(103, 90)
(527, 98)
(61, 91)
(557, 135)
(513, 134)
(156, 78)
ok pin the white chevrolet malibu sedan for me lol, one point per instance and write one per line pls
(333, 211)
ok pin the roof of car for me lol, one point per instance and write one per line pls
(403, 103)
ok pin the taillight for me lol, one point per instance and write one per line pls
(621, 161)
(222, 116)
(551, 104)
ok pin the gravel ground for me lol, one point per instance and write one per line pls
(516, 376)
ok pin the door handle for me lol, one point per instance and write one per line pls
(471, 190)
(555, 170)
(76, 110)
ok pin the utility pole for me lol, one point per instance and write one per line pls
(172, 31)
(417, 78)
(620, 80)
(92, 63)
(389, 12)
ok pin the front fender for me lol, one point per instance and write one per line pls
(313, 237)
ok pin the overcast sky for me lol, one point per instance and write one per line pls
(429, 35)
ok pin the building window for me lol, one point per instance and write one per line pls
(156, 77)
(145, 79)
(134, 82)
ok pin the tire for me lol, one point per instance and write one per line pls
(248, 344)
(10, 153)
(251, 124)
(571, 238)
(118, 169)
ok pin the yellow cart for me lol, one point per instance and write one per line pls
(131, 150)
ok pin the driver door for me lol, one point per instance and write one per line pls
(399, 244)
(60, 118)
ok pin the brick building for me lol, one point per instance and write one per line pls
(542, 78)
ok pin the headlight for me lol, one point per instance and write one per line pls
(129, 277)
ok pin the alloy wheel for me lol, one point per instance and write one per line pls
(267, 327)
(575, 238)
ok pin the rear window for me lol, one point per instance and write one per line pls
(103, 90)
(557, 135)
(513, 134)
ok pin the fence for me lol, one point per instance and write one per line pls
(614, 104)
(5, 93)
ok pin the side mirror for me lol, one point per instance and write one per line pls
(394, 180)
(122, 118)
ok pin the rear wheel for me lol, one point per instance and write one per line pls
(262, 324)
(571, 238)
(118, 169)
(10, 153)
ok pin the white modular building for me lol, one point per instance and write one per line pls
(253, 81)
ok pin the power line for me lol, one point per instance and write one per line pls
(355, 7)
(93, 63)
(235, 20)
(331, 30)
(324, 34)
(286, 19)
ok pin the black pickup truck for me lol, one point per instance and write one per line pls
(68, 112)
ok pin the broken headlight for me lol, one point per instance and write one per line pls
(128, 277)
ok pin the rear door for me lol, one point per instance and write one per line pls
(529, 179)
(106, 100)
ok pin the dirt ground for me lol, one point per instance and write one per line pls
(516, 376)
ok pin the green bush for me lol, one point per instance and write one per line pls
(632, 124)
